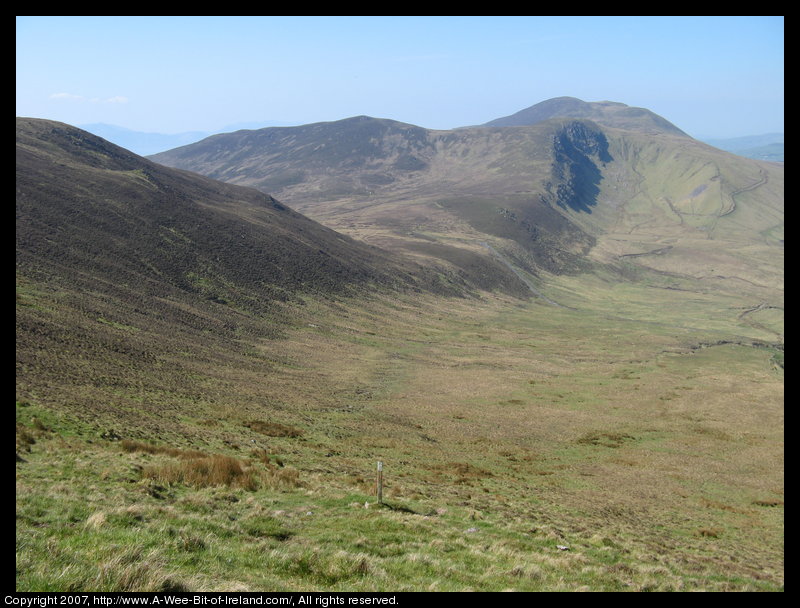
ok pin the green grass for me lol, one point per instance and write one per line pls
(506, 431)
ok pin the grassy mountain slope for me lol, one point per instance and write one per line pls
(506, 431)
(683, 209)
(221, 433)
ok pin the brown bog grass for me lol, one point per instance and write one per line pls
(214, 470)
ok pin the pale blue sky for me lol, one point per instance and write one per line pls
(711, 76)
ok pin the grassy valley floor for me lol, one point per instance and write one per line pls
(607, 446)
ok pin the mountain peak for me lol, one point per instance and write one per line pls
(605, 113)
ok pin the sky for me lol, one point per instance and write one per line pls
(710, 76)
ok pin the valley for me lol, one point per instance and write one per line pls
(506, 431)
(563, 340)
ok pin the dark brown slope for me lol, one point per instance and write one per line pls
(94, 217)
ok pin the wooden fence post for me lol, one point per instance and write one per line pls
(380, 482)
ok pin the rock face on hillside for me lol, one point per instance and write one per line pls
(579, 153)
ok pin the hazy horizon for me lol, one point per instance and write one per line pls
(713, 77)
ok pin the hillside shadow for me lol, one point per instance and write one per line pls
(578, 152)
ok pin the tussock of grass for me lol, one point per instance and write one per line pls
(24, 439)
(459, 472)
(714, 504)
(215, 470)
(132, 571)
(199, 470)
(287, 478)
(266, 527)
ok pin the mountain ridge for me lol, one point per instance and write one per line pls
(557, 196)
(104, 215)
(604, 113)
(367, 158)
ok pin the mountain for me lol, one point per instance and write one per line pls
(338, 147)
(132, 275)
(768, 146)
(363, 160)
(95, 218)
(565, 195)
(605, 113)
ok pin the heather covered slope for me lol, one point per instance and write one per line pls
(102, 214)
(122, 263)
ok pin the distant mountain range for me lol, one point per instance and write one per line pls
(768, 146)
(144, 143)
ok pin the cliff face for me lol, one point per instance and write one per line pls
(579, 151)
